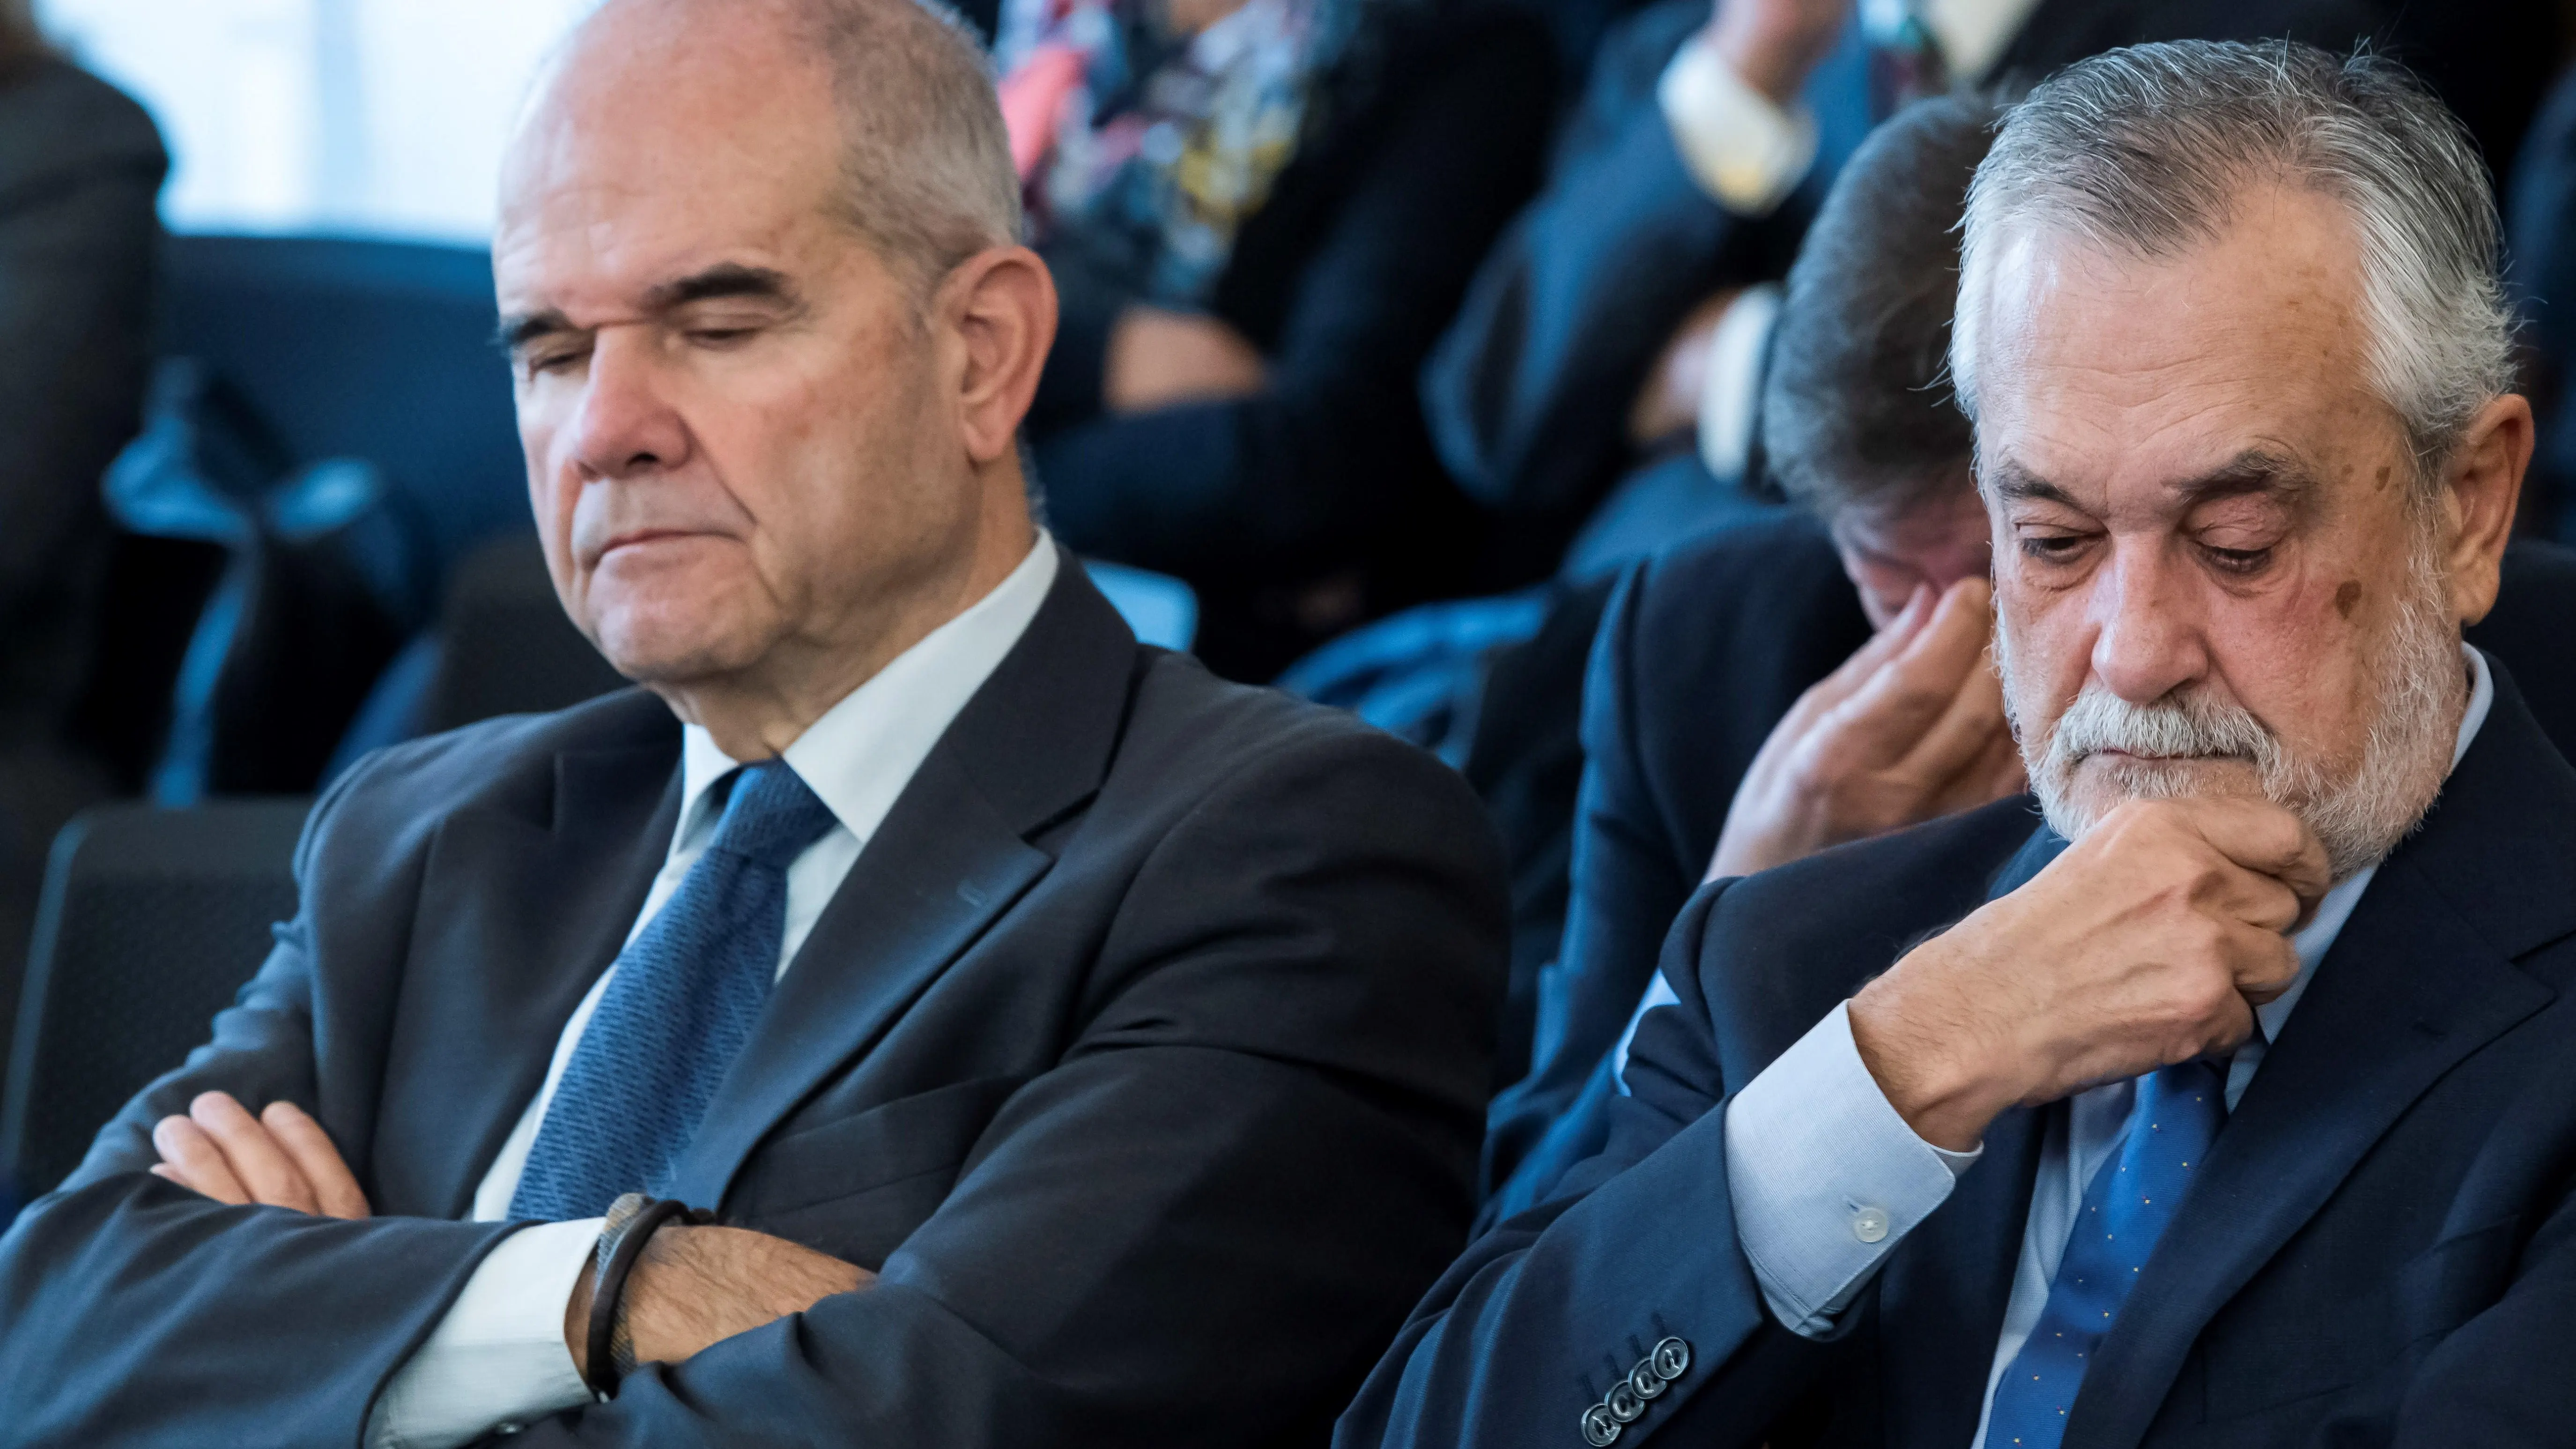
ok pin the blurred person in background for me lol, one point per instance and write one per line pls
(1614, 340)
(1260, 213)
(80, 172)
(1791, 682)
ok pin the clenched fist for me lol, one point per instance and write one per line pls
(2149, 942)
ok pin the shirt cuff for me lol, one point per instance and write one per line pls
(1731, 396)
(498, 1359)
(1744, 151)
(1825, 1177)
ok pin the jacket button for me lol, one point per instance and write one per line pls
(1623, 1403)
(1644, 1380)
(1599, 1429)
(1670, 1360)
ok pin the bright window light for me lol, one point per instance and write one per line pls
(352, 117)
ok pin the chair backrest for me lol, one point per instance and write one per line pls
(363, 349)
(151, 922)
(505, 646)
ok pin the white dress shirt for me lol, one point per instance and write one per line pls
(1826, 1179)
(499, 1356)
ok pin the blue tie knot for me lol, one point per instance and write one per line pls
(771, 816)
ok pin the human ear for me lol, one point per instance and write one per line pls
(1000, 308)
(2482, 485)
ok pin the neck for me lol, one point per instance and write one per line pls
(755, 713)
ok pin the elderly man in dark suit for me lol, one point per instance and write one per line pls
(2233, 1104)
(1815, 676)
(959, 1025)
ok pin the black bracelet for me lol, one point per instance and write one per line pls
(632, 1221)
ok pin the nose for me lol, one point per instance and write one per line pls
(626, 426)
(2147, 639)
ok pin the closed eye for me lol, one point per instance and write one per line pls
(2239, 561)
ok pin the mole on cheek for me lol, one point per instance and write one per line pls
(2347, 596)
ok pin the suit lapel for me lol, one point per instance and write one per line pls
(1943, 1294)
(2418, 979)
(1942, 1297)
(953, 855)
(519, 913)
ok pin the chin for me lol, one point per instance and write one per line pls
(672, 640)
(2102, 783)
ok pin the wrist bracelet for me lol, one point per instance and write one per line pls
(632, 1221)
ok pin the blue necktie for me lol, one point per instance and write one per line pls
(687, 991)
(2125, 1210)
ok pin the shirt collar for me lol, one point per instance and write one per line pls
(2318, 936)
(864, 750)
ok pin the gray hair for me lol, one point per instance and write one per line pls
(2146, 150)
(927, 161)
(1856, 411)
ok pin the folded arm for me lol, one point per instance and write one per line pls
(1263, 1135)
(135, 1311)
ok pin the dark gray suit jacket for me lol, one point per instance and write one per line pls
(1143, 1053)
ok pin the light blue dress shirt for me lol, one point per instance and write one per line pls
(1826, 1179)
(498, 1357)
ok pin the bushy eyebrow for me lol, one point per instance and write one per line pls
(721, 281)
(2256, 471)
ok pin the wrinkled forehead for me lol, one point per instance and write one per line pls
(2099, 367)
(644, 150)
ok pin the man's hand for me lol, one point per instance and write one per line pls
(1775, 44)
(1909, 729)
(1668, 405)
(280, 1158)
(698, 1286)
(2149, 942)
(1159, 358)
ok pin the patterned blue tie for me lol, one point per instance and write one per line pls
(2125, 1210)
(687, 991)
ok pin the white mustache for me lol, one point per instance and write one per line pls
(2192, 725)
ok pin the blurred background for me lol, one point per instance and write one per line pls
(380, 118)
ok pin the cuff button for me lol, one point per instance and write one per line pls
(1671, 1359)
(1644, 1380)
(1870, 1225)
(1599, 1429)
(1623, 1403)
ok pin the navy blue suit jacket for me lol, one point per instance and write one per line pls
(1701, 653)
(2382, 1250)
(1152, 1022)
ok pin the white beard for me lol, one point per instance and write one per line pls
(2359, 818)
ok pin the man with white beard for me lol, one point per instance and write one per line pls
(2247, 1117)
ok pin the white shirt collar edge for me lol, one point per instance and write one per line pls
(939, 674)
